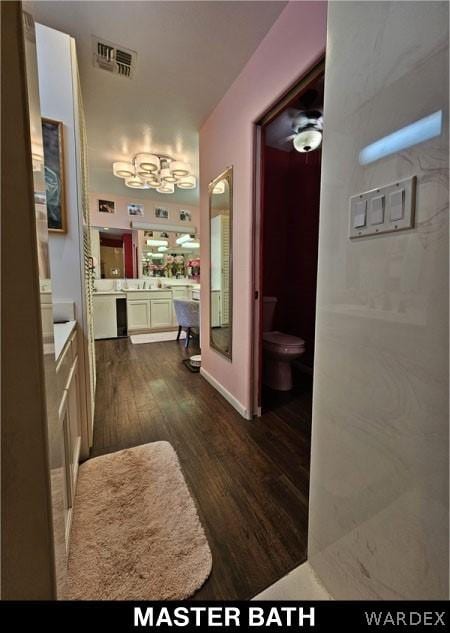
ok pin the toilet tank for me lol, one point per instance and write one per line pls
(269, 305)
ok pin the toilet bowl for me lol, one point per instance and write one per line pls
(279, 351)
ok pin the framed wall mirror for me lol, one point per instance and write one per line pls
(221, 259)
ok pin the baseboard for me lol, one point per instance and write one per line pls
(226, 394)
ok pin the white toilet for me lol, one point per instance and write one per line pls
(279, 351)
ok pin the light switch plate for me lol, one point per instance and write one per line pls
(376, 210)
(389, 209)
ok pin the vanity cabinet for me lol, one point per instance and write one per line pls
(161, 313)
(105, 316)
(68, 381)
(150, 310)
(138, 314)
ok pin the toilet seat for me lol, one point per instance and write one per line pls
(278, 341)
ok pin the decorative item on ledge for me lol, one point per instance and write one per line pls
(155, 171)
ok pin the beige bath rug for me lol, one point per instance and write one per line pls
(156, 337)
(136, 534)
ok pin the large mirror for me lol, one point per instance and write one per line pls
(221, 299)
(124, 254)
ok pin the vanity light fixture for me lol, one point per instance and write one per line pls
(187, 182)
(183, 238)
(157, 242)
(158, 171)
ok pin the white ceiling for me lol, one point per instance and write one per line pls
(189, 53)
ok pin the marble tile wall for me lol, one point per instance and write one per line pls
(379, 476)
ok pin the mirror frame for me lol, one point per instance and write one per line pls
(227, 175)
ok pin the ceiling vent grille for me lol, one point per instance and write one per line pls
(112, 58)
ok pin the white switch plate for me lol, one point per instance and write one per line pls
(389, 209)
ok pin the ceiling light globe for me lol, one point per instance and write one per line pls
(307, 140)
(146, 162)
(123, 170)
(178, 168)
(166, 187)
(187, 182)
(167, 176)
(134, 182)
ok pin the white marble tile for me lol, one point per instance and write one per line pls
(299, 584)
(379, 474)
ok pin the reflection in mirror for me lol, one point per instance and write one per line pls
(221, 220)
(171, 254)
(113, 253)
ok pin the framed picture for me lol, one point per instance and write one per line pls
(106, 206)
(52, 136)
(136, 209)
(185, 216)
(161, 213)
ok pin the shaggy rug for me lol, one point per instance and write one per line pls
(156, 337)
(136, 534)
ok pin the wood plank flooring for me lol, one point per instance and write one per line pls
(249, 478)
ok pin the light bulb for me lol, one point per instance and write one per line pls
(307, 140)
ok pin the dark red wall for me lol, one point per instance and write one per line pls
(290, 234)
(125, 241)
(128, 255)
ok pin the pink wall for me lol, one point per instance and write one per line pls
(291, 47)
(121, 220)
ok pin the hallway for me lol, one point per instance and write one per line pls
(249, 478)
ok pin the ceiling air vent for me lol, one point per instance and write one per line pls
(113, 58)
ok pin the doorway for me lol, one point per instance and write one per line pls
(287, 202)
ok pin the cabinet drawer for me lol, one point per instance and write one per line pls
(161, 294)
(63, 369)
(150, 294)
(74, 345)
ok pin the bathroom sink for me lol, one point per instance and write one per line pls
(141, 289)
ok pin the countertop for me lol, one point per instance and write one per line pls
(62, 332)
(116, 293)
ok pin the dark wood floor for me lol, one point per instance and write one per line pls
(249, 478)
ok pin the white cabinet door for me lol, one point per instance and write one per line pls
(161, 312)
(138, 314)
(105, 317)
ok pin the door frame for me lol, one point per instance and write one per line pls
(300, 86)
